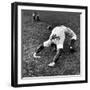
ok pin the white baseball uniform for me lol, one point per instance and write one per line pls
(58, 36)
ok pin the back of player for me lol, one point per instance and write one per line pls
(57, 37)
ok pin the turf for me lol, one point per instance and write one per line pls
(35, 33)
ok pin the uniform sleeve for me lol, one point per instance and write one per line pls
(71, 33)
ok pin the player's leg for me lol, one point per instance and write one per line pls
(59, 44)
(41, 47)
(54, 47)
(58, 54)
(56, 57)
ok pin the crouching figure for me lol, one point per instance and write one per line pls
(57, 37)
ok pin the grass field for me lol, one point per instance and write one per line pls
(36, 33)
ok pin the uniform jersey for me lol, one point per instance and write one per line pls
(58, 36)
(59, 32)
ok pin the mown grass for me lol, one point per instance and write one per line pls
(35, 33)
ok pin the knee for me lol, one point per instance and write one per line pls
(47, 43)
(59, 47)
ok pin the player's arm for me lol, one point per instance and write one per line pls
(72, 34)
(56, 57)
(73, 38)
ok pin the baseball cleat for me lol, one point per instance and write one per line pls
(35, 56)
(51, 64)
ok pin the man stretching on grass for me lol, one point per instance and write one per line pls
(57, 37)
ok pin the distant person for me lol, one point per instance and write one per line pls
(35, 17)
(57, 37)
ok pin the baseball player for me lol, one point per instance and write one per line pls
(57, 37)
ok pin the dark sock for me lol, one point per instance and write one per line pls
(58, 54)
(39, 48)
